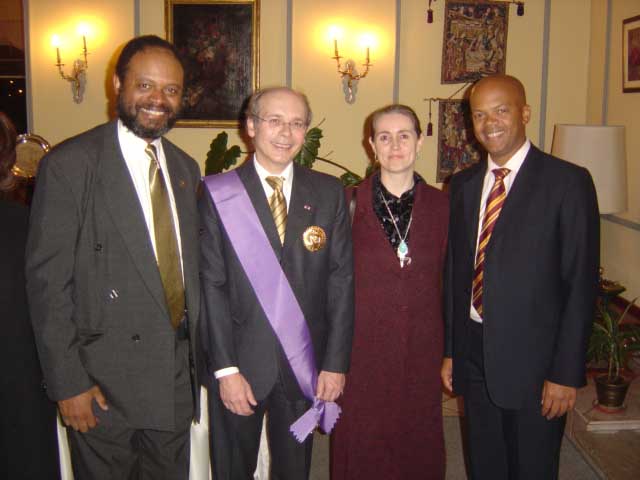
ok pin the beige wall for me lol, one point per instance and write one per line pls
(55, 115)
(196, 141)
(620, 244)
(575, 77)
(568, 71)
(421, 56)
(313, 71)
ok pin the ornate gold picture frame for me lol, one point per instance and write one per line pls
(219, 41)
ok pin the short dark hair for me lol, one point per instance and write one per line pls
(138, 44)
(253, 106)
(7, 152)
(395, 108)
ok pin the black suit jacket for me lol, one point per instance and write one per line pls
(239, 333)
(540, 278)
(97, 302)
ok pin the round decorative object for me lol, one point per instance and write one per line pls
(314, 238)
(30, 149)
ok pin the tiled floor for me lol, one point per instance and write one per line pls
(572, 465)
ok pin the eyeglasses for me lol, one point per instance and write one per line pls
(277, 123)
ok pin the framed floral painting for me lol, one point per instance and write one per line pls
(631, 54)
(218, 40)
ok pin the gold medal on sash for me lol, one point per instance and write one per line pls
(314, 238)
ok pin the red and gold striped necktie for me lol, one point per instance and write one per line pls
(496, 199)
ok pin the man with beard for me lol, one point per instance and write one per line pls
(112, 274)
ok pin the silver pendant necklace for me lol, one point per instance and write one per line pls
(403, 249)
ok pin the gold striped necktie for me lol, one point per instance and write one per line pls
(278, 205)
(495, 200)
(166, 240)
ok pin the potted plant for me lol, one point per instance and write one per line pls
(613, 342)
(220, 157)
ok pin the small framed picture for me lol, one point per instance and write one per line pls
(219, 41)
(631, 54)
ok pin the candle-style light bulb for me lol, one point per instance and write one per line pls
(367, 56)
(335, 47)
(55, 41)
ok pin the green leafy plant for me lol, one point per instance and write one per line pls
(612, 341)
(220, 158)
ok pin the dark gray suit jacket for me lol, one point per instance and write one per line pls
(238, 331)
(540, 278)
(97, 303)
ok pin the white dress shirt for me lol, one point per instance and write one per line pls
(287, 175)
(138, 163)
(513, 164)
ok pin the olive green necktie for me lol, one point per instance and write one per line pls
(166, 242)
(278, 205)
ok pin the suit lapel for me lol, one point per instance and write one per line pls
(472, 196)
(124, 206)
(251, 181)
(519, 195)
(301, 206)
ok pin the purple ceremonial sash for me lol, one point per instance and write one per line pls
(274, 293)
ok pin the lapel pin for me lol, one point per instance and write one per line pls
(182, 183)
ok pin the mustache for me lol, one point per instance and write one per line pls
(157, 107)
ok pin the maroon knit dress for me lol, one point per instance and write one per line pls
(391, 424)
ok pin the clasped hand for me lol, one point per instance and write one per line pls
(237, 396)
(77, 412)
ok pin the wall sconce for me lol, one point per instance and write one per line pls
(78, 76)
(349, 74)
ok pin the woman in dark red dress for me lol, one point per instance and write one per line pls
(391, 425)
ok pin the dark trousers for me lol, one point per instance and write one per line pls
(114, 451)
(235, 439)
(504, 443)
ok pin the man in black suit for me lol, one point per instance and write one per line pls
(112, 276)
(520, 290)
(249, 371)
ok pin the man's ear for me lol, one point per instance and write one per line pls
(251, 126)
(526, 114)
(116, 83)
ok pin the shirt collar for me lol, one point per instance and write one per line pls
(133, 141)
(287, 173)
(515, 162)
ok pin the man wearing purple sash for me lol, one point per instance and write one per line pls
(277, 279)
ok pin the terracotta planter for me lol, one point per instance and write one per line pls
(611, 392)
